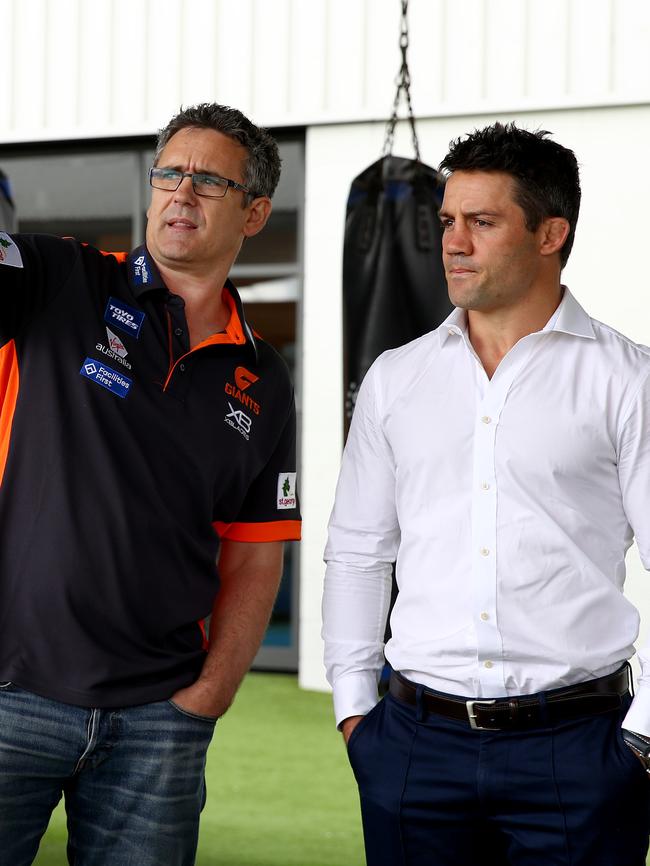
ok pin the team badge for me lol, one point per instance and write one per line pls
(9, 252)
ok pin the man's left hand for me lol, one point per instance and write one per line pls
(200, 700)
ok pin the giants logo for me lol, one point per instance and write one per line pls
(243, 379)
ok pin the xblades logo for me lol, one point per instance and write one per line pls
(239, 421)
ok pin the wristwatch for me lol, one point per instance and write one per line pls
(640, 745)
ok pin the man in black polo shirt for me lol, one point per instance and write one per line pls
(145, 434)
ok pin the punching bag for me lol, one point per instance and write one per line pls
(394, 285)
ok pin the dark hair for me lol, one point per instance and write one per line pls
(546, 176)
(262, 167)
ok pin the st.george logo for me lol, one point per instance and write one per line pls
(9, 252)
(287, 491)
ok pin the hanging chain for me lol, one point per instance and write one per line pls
(403, 84)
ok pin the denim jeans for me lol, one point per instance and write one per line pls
(133, 780)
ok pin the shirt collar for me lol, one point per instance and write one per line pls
(571, 318)
(568, 318)
(144, 276)
(455, 323)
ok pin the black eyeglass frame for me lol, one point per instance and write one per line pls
(183, 174)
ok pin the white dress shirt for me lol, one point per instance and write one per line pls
(508, 505)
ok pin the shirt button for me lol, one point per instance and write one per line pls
(181, 367)
(485, 486)
(488, 664)
(485, 616)
(486, 419)
(179, 332)
(450, 331)
(485, 551)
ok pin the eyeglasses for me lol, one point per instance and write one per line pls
(210, 185)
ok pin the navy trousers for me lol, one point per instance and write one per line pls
(434, 792)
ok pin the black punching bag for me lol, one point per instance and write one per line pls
(394, 287)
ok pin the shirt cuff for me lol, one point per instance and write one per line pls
(355, 695)
(638, 716)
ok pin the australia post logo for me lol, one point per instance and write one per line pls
(243, 380)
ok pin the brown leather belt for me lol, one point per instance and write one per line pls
(593, 697)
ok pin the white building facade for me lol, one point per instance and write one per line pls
(90, 77)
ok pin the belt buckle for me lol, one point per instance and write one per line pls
(472, 715)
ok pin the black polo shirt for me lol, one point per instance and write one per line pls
(123, 457)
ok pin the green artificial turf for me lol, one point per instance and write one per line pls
(280, 790)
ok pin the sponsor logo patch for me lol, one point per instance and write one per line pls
(115, 344)
(239, 421)
(286, 490)
(140, 271)
(9, 252)
(106, 377)
(123, 317)
(116, 350)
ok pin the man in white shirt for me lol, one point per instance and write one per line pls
(503, 463)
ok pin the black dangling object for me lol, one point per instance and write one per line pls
(394, 286)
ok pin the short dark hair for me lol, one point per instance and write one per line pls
(547, 180)
(262, 167)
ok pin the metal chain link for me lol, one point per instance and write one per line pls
(403, 84)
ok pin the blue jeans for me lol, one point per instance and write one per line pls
(133, 780)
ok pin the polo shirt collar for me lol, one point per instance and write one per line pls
(144, 276)
(568, 318)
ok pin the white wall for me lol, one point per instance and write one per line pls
(605, 272)
(94, 68)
